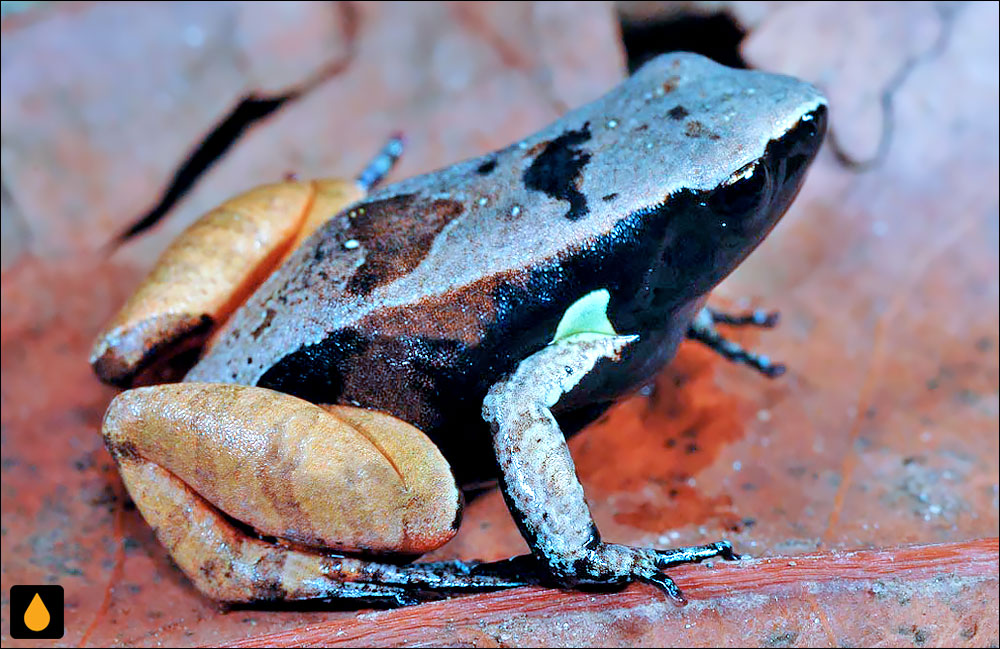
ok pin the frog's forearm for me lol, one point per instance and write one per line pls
(539, 480)
(537, 473)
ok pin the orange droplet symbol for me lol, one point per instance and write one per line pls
(36, 617)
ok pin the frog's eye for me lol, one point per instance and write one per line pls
(742, 192)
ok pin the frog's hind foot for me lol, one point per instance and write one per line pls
(703, 330)
(381, 164)
(256, 496)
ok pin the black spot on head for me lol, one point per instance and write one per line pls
(487, 167)
(609, 197)
(556, 171)
(678, 112)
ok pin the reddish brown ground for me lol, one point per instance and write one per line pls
(883, 433)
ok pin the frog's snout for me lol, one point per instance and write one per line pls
(802, 142)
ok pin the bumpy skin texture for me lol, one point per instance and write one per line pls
(655, 191)
(338, 478)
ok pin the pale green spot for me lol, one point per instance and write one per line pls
(589, 314)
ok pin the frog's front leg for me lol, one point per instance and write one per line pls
(257, 495)
(703, 330)
(539, 479)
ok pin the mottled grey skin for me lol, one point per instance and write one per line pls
(421, 298)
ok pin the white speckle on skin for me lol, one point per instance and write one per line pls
(763, 415)
(612, 123)
(522, 145)
(483, 201)
(737, 465)
(514, 211)
(351, 244)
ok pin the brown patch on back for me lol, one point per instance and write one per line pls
(462, 314)
(396, 234)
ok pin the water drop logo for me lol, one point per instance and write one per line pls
(36, 612)
(37, 616)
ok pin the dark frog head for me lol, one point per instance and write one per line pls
(703, 159)
(713, 229)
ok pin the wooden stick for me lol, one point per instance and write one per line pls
(807, 578)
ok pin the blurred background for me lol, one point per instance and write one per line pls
(123, 122)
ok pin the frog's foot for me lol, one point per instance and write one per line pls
(539, 480)
(258, 495)
(214, 265)
(755, 318)
(703, 330)
(610, 563)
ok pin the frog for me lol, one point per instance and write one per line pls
(462, 322)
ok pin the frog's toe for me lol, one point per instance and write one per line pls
(667, 585)
(696, 554)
